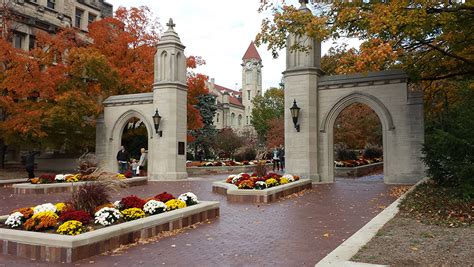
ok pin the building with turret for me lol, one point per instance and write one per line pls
(234, 108)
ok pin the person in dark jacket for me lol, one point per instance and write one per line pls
(30, 163)
(122, 158)
(282, 157)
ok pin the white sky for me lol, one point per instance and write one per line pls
(219, 31)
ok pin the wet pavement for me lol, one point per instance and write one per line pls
(296, 231)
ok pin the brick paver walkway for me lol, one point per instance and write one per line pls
(292, 232)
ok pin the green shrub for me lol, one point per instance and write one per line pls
(372, 151)
(342, 153)
(449, 146)
(245, 154)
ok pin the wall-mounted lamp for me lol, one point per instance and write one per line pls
(156, 121)
(295, 113)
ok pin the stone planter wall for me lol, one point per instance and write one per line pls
(67, 249)
(27, 188)
(354, 172)
(195, 171)
(259, 196)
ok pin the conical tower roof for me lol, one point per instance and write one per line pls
(251, 53)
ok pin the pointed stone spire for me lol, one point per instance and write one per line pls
(170, 34)
(251, 53)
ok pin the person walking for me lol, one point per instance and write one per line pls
(30, 163)
(142, 163)
(276, 159)
(122, 159)
(282, 157)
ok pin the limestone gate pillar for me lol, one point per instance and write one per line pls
(170, 99)
(301, 81)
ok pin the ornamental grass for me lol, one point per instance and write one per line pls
(90, 195)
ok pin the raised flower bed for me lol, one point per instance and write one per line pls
(357, 168)
(59, 183)
(62, 233)
(223, 167)
(251, 188)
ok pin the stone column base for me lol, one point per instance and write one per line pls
(168, 176)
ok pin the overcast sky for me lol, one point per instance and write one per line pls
(219, 31)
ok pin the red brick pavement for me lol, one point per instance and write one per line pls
(290, 232)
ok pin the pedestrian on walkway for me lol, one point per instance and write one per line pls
(30, 163)
(122, 159)
(276, 159)
(282, 157)
(142, 163)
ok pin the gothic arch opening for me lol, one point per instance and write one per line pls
(358, 143)
(134, 137)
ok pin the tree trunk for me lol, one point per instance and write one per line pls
(3, 151)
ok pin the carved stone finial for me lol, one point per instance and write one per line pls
(170, 25)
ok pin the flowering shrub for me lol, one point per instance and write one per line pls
(153, 207)
(121, 176)
(76, 215)
(27, 212)
(73, 178)
(133, 214)
(289, 177)
(164, 197)
(41, 221)
(44, 207)
(107, 216)
(246, 184)
(70, 228)
(108, 205)
(47, 178)
(175, 204)
(15, 220)
(189, 198)
(118, 205)
(260, 185)
(284, 180)
(271, 182)
(128, 174)
(60, 178)
(132, 202)
(60, 207)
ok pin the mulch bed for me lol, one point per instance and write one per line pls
(435, 226)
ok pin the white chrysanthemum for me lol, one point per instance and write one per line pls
(189, 198)
(118, 204)
(260, 185)
(60, 177)
(289, 177)
(15, 220)
(235, 179)
(154, 207)
(44, 207)
(106, 216)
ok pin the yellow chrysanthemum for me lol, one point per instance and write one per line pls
(60, 206)
(175, 204)
(284, 181)
(70, 228)
(133, 214)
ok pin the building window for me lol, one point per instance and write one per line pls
(32, 42)
(217, 117)
(18, 40)
(247, 120)
(240, 120)
(78, 20)
(248, 94)
(51, 4)
(232, 119)
(91, 18)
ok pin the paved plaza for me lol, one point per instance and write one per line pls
(296, 231)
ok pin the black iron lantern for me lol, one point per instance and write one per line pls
(156, 121)
(295, 113)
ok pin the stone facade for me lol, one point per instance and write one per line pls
(234, 108)
(166, 152)
(309, 153)
(29, 17)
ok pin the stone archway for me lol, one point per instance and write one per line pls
(327, 126)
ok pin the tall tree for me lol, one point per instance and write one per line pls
(205, 136)
(267, 107)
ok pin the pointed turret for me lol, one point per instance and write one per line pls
(251, 53)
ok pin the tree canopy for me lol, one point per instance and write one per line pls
(265, 108)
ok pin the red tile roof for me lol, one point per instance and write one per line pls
(235, 97)
(251, 53)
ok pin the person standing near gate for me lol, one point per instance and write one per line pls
(122, 158)
(142, 162)
(282, 157)
(30, 164)
(276, 159)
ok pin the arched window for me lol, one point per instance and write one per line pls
(217, 117)
(239, 120)
(232, 119)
